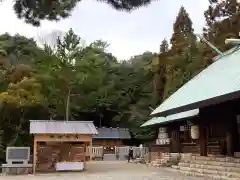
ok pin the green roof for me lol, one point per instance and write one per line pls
(170, 118)
(217, 83)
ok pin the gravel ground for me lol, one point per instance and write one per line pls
(115, 170)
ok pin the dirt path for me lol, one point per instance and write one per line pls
(109, 171)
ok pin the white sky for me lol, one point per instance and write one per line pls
(127, 33)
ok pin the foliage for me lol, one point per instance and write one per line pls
(180, 66)
(34, 11)
(222, 21)
(42, 83)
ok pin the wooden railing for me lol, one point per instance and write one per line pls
(136, 151)
(96, 151)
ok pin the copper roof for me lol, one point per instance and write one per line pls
(217, 83)
(173, 117)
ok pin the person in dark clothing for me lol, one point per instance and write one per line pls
(130, 154)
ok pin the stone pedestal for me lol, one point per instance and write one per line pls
(162, 137)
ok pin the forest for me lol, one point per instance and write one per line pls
(42, 82)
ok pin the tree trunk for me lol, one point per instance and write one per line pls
(67, 107)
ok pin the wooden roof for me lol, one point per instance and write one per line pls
(62, 127)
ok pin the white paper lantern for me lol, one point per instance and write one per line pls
(194, 132)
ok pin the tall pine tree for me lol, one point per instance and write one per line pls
(180, 67)
(158, 67)
(182, 31)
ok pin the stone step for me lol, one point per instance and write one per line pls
(217, 159)
(210, 172)
(197, 174)
(211, 167)
(161, 160)
(154, 164)
(212, 163)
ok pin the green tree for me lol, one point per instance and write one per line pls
(159, 70)
(135, 100)
(19, 89)
(36, 83)
(222, 22)
(182, 53)
(34, 11)
(182, 31)
(59, 73)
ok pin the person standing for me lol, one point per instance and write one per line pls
(130, 154)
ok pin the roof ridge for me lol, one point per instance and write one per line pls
(226, 53)
(112, 128)
(62, 121)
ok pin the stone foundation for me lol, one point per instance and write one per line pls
(166, 159)
(210, 167)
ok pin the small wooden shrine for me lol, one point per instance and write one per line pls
(61, 145)
(109, 138)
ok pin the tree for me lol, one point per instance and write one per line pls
(34, 11)
(78, 71)
(61, 73)
(164, 47)
(19, 89)
(182, 31)
(159, 70)
(182, 53)
(37, 83)
(135, 78)
(222, 20)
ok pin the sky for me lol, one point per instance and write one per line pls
(128, 34)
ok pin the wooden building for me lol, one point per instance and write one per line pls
(202, 117)
(61, 145)
(109, 138)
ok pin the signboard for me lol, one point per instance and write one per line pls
(18, 154)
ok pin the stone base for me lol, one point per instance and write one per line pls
(16, 171)
(210, 167)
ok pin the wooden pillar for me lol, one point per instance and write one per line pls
(85, 154)
(231, 131)
(229, 142)
(35, 147)
(90, 150)
(176, 145)
(238, 133)
(203, 140)
(230, 138)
